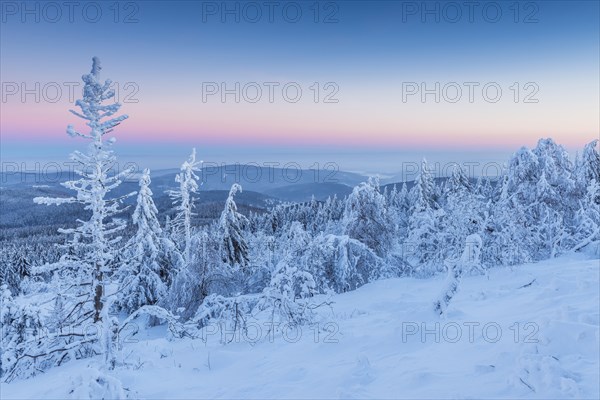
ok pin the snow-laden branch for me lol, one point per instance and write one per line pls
(57, 201)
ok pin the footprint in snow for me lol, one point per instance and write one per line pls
(363, 372)
(544, 375)
(355, 384)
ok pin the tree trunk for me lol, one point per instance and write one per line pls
(98, 292)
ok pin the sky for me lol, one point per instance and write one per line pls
(364, 84)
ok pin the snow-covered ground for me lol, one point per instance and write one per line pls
(527, 332)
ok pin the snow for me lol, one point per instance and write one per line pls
(370, 351)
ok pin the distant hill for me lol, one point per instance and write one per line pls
(305, 192)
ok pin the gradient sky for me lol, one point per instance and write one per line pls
(369, 53)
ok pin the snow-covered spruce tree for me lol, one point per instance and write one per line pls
(8, 273)
(464, 214)
(486, 189)
(508, 242)
(589, 168)
(21, 329)
(367, 217)
(82, 275)
(470, 259)
(551, 231)
(22, 263)
(541, 190)
(234, 248)
(211, 267)
(291, 278)
(340, 263)
(57, 319)
(399, 207)
(184, 203)
(458, 181)
(424, 192)
(424, 245)
(335, 210)
(146, 273)
(557, 197)
(286, 298)
(306, 213)
(262, 259)
(202, 275)
(587, 219)
(15, 268)
(523, 175)
(584, 230)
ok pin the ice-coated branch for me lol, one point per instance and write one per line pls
(54, 201)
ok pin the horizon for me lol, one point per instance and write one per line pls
(371, 162)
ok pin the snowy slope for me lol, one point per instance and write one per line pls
(370, 352)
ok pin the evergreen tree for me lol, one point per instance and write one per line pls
(509, 243)
(9, 275)
(234, 248)
(423, 194)
(424, 244)
(540, 192)
(367, 217)
(58, 315)
(184, 201)
(145, 275)
(22, 329)
(291, 278)
(84, 274)
(21, 262)
(202, 275)
(340, 263)
(589, 168)
(588, 219)
(550, 231)
(464, 214)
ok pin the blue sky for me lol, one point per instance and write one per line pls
(368, 50)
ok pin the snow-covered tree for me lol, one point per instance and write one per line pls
(146, 273)
(57, 319)
(540, 191)
(83, 273)
(588, 168)
(184, 202)
(458, 181)
(9, 275)
(234, 247)
(424, 245)
(399, 207)
(95, 237)
(487, 190)
(202, 275)
(507, 242)
(21, 329)
(15, 267)
(550, 231)
(464, 214)
(291, 277)
(423, 193)
(470, 259)
(22, 263)
(368, 219)
(557, 170)
(340, 263)
(588, 218)
(329, 215)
